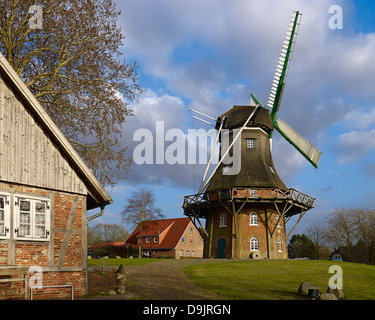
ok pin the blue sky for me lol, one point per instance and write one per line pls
(211, 54)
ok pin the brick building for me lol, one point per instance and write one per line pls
(176, 238)
(45, 192)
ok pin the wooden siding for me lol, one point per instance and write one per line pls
(27, 155)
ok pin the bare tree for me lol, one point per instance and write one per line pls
(342, 228)
(140, 208)
(102, 232)
(365, 220)
(316, 232)
(68, 53)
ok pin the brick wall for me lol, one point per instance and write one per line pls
(193, 242)
(47, 254)
(267, 244)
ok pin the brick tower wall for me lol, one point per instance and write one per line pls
(239, 247)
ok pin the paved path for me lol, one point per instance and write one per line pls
(166, 280)
(163, 280)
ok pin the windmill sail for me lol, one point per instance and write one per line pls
(278, 84)
(309, 151)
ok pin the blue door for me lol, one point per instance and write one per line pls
(221, 244)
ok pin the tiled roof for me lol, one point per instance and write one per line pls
(105, 244)
(169, 232)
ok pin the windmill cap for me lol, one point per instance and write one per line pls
(237, 116)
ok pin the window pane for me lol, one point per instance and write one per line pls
(2, 228)
(25, 217)
(40, 207)
(250, 143)
(24, 229)
(2, 202)
(24, 205)
(40, 219)
(40, 231)
(1, 215)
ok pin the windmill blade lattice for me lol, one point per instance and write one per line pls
(307, 149)
(278, 83)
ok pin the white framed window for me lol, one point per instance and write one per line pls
(253, 193)
(279, 245)
(250, 143)
(187, 253)
(223, 220)
(147, 239)
(253, 219)
(156, 239)
(193, 253)
(181, 253)
(278, 221)
(182, 240)
(32, 218)
(254, 244)
(191, 240)
(4, 216)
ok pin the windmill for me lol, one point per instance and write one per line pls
(245, 203)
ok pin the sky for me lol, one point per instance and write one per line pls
(211, 54)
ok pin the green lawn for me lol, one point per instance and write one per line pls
(280, 279)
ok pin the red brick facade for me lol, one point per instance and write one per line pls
(270, 238)
(62, 257)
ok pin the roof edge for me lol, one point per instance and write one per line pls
(93, 185)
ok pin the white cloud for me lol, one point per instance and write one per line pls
(355, 145)
(213, 53)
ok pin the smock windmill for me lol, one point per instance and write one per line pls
(245, 203)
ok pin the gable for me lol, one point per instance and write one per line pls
(28, 156)
(33, 151)
(169, 231)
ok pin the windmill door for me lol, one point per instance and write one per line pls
(221, 244)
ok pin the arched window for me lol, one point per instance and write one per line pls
(278, 221)
(253, 219)
(254, 245)
(223, 220)
(279, 245)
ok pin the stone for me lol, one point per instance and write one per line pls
(121, 269)
(111, 292)
(339, 293)
(120, 290)
(327, 296)
(118, 257)
(303, 289)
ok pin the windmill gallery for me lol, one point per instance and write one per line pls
(243, 200)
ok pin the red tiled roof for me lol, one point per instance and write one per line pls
(105, 244)
(169, 232)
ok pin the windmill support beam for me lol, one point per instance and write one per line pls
(295, 225)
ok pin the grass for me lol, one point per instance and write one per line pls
(280, 279)
(117, 262)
